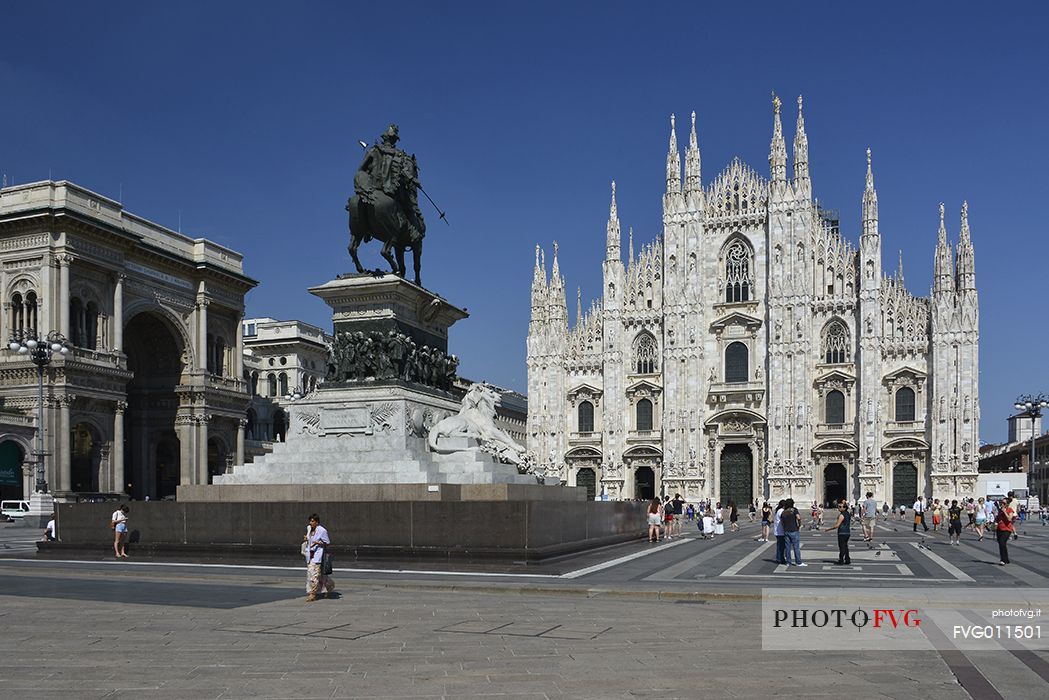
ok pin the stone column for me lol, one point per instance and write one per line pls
(241, 424)
(62, 439)
(202, 449)
(186, 433)
(202, 333)
(118, 318)
(238, 353)
(117, 453)
(62, 310)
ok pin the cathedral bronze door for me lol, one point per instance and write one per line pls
(904, 484)
(644, 483)
(835, 484)
(737, 475)
(586, 478)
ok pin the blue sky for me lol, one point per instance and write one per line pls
(242, 121)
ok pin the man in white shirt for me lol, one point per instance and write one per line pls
(919, 514)
(777, 530)
(50, 531)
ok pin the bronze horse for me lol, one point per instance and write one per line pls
(395, 221)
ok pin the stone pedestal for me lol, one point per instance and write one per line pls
(371, 433)
(389, 303)
(41, 506)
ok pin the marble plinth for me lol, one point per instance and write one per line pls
(389, 303)
(372, 433)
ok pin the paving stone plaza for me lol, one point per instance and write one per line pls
(670, 620)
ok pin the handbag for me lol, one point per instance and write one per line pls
(326, 564)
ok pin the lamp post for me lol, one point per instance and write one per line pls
(39, 350)
(1031, 406)
(295, 394)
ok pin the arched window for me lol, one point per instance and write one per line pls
(644, 414)
(272, 379)
(30, 312)
(17, 312)
(645, 353)
(737, 363)
(283, 383)
(91, 325)
(586, 417)
(220, 356)
(836, 345)
(739, 278)
(76, 317)
(835, 408)
(905, 404)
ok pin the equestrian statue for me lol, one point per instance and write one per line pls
(385, 205)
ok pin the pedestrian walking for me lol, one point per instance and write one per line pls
(733, 516)
(668, 517)
(844, 527)
(719, 519)
(752, 511)
(791, 521)
(317, 542)
(919, 514)
(777, 530)
(653, 520)
(690, 512)
(868, 515)
(766, 521)
(980, 518)
(970, 512)
(119, 525)
(885, 510)
(1004, 528)
(954, 523)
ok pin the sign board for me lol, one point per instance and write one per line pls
(997, 489)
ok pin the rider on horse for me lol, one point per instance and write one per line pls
(393, 172)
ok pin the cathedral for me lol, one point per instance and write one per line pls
(752, 351)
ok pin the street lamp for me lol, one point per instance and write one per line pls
(295, 394)
(39, 350)
(1031, 406)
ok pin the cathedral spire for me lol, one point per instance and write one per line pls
(672, 199)
(801, 155)
(870, 202)
(558, 303)
(630, 252)
(578, 306)
(899, 271)
(777, 150)
(966, 258)
(693, 164)
(539, 287)
(555, 270)
(673, 161)
(613, 237)
(944, 265)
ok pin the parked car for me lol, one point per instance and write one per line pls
(14, 509)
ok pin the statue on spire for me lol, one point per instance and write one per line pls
(777, 103)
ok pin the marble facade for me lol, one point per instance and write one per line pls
(753, 351)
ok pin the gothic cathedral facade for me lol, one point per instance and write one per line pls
(752, 351)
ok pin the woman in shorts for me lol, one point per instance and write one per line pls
(981, 518)
(668, 517)
(653, 521)
(766, 521)
(119, 526)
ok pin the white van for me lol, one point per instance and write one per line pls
(14, 509)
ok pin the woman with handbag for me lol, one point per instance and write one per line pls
(318, 561)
